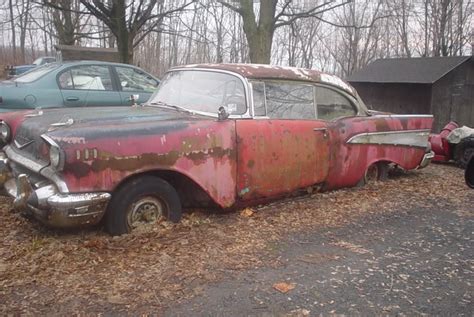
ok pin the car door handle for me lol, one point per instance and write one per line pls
(72, 98)
(323, 130)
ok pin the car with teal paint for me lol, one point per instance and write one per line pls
(77, 84)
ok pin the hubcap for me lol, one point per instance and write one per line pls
(147, 210)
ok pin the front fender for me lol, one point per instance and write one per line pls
(203, 151)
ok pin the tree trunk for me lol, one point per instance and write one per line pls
(63, 24)
(260, 46)
(12, 22)
(259, 37)
(123, 36)
(125, 47)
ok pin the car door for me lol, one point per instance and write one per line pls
(284, 147)
(88, 85)
(133, 81)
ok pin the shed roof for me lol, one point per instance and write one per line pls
(62, 47)
(420, 70)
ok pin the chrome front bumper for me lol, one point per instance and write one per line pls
(426, 159)
(49, 206)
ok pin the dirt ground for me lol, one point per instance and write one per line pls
(281, 254)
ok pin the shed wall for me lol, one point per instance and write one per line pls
(453, 97)
(395, 98)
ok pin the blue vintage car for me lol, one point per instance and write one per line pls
(76, 84)
(18, 70)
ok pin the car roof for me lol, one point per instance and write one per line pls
(260, 71)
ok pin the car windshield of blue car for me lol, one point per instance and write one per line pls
(36, 73)
(202, 91)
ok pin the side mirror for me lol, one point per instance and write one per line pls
(134, 99)
(222, 114)
(469, 173)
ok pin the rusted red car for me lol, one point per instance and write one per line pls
(222, 135)
(453, 143)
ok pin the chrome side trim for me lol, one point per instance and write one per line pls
(415, 138)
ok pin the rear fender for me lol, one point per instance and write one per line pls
(354, 149)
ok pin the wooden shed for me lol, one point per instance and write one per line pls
(442, 86)
(78, 53)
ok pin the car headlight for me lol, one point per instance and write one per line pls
(5, 132)
(55, 156)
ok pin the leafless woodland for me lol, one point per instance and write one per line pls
(336, 36)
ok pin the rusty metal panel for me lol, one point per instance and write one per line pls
(278, 156)
(350, 161)
(203, 150)
(257, 71)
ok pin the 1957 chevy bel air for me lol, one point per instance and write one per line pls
(222, 135)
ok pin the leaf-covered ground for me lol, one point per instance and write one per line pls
(45, 271)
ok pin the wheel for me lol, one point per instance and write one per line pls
(375, 172)
(469, 174)
(142, 202)
(463, 152)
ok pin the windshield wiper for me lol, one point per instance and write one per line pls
(166, 105)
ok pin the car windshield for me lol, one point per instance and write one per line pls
(37, 61)
(201, 91)
(36, 73)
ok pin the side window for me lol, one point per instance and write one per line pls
(132, 79)
(331, 105)
(258, 89)
(289, 101)
(87, 77)
(65, 80)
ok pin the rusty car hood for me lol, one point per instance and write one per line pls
(90, 122)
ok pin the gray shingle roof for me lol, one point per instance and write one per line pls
(421, 70)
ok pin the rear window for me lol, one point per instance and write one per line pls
(36, 73)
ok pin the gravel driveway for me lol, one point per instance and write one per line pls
(417, 261)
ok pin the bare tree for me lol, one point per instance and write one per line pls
(260, 23)
(127, 20)
(12, 21)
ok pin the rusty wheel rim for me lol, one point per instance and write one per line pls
(372, 174)
(146, 211)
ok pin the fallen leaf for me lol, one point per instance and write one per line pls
(116, 299)
(58, 256)
(284, 287)
(247, 212)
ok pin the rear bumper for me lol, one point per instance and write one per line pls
(426, 159)
(47, 205)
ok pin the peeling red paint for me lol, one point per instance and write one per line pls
(235, 161)
(204, 151)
